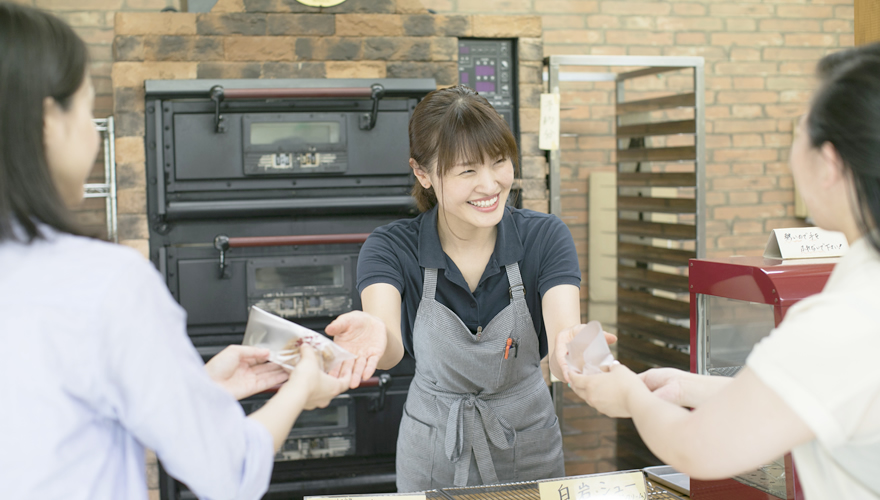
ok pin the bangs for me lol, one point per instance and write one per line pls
(473, 136)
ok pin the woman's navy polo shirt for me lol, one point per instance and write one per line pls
(398, 254)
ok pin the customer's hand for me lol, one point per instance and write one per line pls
(243, 370)
(665, 383)
(363, 335)
(320, 387)
(608, 392)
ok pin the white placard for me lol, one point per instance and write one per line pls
(548, 137)
(629, 485)
(805, 243)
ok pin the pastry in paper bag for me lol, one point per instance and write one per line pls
(588, 350)
(283, 339)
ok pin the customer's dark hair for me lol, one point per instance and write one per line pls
(452, 125)
(829, 64)
(40, 56)
(846, 113)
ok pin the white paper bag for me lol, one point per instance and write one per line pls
(588, 350)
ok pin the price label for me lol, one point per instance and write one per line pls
(614, 486)
(393, 496)
(805, 243)
(548, 132)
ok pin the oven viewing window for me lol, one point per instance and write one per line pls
(280, 133)
(287, 277)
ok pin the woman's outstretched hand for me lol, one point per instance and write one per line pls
(243, 370)
(363, 335)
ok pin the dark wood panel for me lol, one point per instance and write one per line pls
(656, 255)
(651, 279)
(678, 179)
(657, 229)
(668, 333)
(652, 354)
(652, 304)
(657, 104)
(658, 205)
(658, 128)
(679, 153)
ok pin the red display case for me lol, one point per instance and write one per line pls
(734, 304)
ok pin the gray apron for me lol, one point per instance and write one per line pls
(473, 417)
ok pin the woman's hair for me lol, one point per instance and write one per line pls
(455, 125)
(40, 56)
(846, 113)
(829, 64)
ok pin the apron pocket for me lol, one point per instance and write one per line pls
(415, 454)
(507, 367)
(538, 453)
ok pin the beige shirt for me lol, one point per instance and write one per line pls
(824, 361)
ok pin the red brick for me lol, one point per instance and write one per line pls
(725, 10)
(260, 48)
(837, 26)
(784, 222)
(802, 96)
(792, 54)
(133, 74)
(783, 196)
(556, 21)
(749, 212)
(746, 68)
(738, 126)
(509, 6)
(747, 39)
(568, 7)
(689, 9)
(747, 97)
(507, 26)
(717, 112)
(744, 54)
(743, 83)
(369, 25)
(805, 11)
(716, 198)
(742, 241)
(798, 68)
(155, 23)
(741, 24)
(61, 5)
(690, 23)
(718, 141)
(639, 23)
(745, 154)
(748, 140)
(639, 38)
(844, 12)
(629, 8)
(748, 227)
(811, 40)
(572, 36)
(743, 197)
(789, 25)
(601, 21)
(781, 140)
(784, 110)
(743, 182)
(791, 82)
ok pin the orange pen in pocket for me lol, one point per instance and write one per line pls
(507, 348)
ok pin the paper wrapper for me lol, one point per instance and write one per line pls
(283, 339)
(588, 351)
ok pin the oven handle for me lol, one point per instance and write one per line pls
(223, 243)
(367, 121)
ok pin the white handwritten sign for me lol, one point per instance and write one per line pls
(392, 496)
(548, 137)
(805, 243)
(614, 486)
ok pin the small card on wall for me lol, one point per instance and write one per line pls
(548, 137)
(805, 243)
(627, 485)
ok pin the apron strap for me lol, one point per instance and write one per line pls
(517, 290)
(430, 283)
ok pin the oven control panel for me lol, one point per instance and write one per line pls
(488, 66)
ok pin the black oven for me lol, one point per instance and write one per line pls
(261, 192)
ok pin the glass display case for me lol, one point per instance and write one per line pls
(735, 303)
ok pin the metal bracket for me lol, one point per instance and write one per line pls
(217, 95)
(378, 403)
(368, 120)
(221, 243)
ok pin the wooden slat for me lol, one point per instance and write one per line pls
(657, 230)
(649, 71)
(685, 179)
(636, 276)
(660, 128)
(658, 103)
(680, 153)
(651, 304)
(654, 255)
(653, 354)
(657, 205)
(668, 333)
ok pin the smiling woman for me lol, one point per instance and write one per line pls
(477, 292)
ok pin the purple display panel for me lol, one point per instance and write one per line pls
(484, 70)
(485, 86)
(464, 78)
(464, 50)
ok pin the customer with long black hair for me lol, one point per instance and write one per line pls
(812, 386)
(97, 364)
